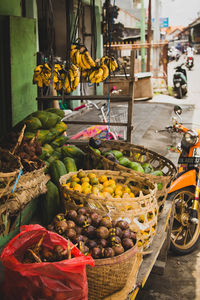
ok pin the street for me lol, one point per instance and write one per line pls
(181, 279)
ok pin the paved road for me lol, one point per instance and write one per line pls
(181, 279)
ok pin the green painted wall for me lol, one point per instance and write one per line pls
(10, 8)
(23, 62)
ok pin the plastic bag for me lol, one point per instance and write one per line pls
(56, 280)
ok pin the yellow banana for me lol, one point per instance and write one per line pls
(105, 72)
(75, 83)
(67, 85)
(85, 63)
(99, 73)
(71, 75)
(89, 59)
(92, 76)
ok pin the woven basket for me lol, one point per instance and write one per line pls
(110, 275)
(8, 176)
(140, 212)
(138, 154)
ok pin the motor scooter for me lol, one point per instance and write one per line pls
(189, 62)
(184, 190)
(180, 81)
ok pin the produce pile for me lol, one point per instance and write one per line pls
(93, 233)
(102, 186)
(122, 159)
(40, 253)
(81, 65)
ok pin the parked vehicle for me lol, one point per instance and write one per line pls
(185, 189)
(180, 81)
(189, 62)
(173, 54)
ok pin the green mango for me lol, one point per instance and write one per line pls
(124, 161)
(117, 153)
(159, 186)
(157, 173)
(147, 168)
(136, 167)
(97, 151)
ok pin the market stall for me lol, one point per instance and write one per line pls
(106, 198)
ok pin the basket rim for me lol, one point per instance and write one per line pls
(139, 147)
(117, 259)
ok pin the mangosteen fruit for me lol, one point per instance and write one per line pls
(72, 214)
(109, 252)
(123, 224)
(91, 244)
(102, 232)
(127, 243)
(105, 221)
(96, 252)
(118, 249)
(90, 231)
(126, 234)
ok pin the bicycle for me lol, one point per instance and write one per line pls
(100, 131)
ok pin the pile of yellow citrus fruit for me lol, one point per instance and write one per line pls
(100, 186)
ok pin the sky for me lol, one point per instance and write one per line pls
(179, 12)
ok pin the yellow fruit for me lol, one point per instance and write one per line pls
(92, 175)
(119, 186)
(94, 180)
(127, 189)
(85, 179)
(108, 189)
(86, 190)
(106, 183)
(77, 188)
(81, 174)
(106, 194)
(85, 185)
(149, 215)
(112, 182)
(67, 184)
(103, 178)
(95, 190)
(100, 186)
(75, 178)
(118, 192)
(132, 195)
(72, 184)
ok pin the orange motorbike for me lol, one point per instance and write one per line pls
(185, 190)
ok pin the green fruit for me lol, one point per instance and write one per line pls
(50, 203)
(136, 167)
(56, 170)
(32, 123)
(56, 111)
(124, 161)
(72, 151)
(157, 173)
(147, 168)
(97, 151)
(117, 153)
(59, 141)
(70, 164)
(159, 186)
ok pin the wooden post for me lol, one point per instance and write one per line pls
(165, 61)
(149, 38)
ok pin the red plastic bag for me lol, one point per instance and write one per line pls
(61, 280)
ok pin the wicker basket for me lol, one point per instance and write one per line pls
(140, 212)
(8, 177)
(138, 154)
(110, 275)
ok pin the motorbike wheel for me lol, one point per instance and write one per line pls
(179, 93)
(185, 236)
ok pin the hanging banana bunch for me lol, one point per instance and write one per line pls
(68, 80)
(71, 79)
(110, 62)
(97, 74)
(80, 56)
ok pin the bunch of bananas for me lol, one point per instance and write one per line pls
(80, 56)
(66, 79)
(71, 79)
(100, 73)
(110, 62)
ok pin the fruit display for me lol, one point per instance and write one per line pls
(118, 157)
(91, 71)
(101, 186)
(40, 253)
(93, 233)
(66, 79)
